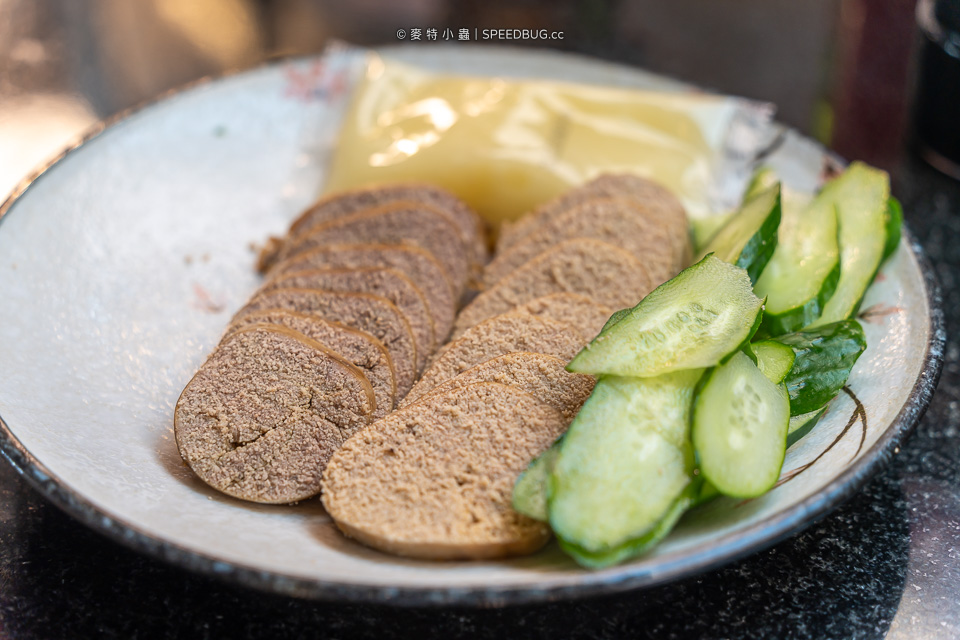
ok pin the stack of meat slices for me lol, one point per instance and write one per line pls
(357, 297)
(434, 479)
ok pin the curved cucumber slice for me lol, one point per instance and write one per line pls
(706, 493)
(860, 195)
(774, 359)
(802, 425)
(530, 490)
(623, 464)
(750, 237)
(634, 547)
(825, 357)
(803, 273)
(762, 178)
(690, 322)
(703, 229)
(740, 422)
(894, 226)
(615, 318)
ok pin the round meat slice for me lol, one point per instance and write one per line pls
(602, 272)
(435, 480)
(359, 348)
(506, 333)
(417, 264)
(586, 315)
(542, 376)
(399, 223)
(376, 315)
(622, 222)
(658, 200)
(384, 282)
(265, 412)
(347, 202)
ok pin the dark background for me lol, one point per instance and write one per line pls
(886, 564)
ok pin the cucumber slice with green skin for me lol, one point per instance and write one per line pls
(706, 493)
(774, 359)
(749, 238)
(804, 271)
(624, 462)
(615, 318)
(762, 178)
(703, 229)
(894, 227)
(825, 357)
(860, 195)
(634, 547)
(530, 490)
(802, 425)
(693, 321)
(740, 421)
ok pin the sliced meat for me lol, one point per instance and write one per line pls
(376, 315)
(542, 376)
(265, 412)
(604, 273)
(656, 198)
(348, 202)
(419, 225)
(435, 480)
(506, 333)
(358, 347)
(623, 222)
(385, 282)
(417, 264)
(580, 311)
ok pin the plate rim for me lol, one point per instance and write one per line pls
(755, 538)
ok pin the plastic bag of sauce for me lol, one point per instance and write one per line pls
(507, 145)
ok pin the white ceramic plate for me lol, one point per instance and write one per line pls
(121, 264)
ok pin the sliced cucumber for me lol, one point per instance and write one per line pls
(615, 318)
(894, 227)
(703, 229)
(624, 462)
(860, 195)
(749, 238)
(705, 493)
(693, 321)
(803, 273)
(530, 490)
(825, 357)
(774, 359)
(740, 421)
(635, 546)
(802, 425)
(762, 178)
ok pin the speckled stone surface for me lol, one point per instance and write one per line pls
(884, 565)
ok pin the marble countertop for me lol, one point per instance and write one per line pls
(886, 564)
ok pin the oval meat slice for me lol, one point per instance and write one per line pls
(622, 222)
(360, 348)
(602, 272)
(345, 203)
(416, 263)
(542, 376)
(435, 480)
(399, 223)
(373, 314)
(506, 333)
(384, 282)
(265, 412)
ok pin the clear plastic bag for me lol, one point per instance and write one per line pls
(507, 145)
